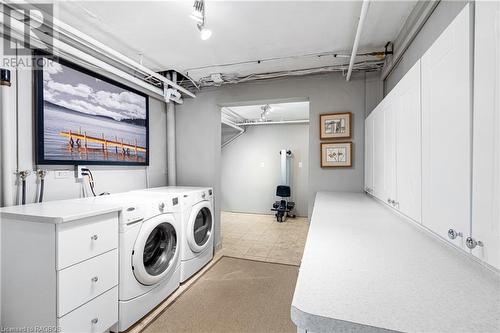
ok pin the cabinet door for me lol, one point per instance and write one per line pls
(378, 152)
(486, 158)
(446, 130)
(369, 153)
(390, 110)
(408, 144)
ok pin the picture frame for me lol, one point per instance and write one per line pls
(335, 125)
(336, 154)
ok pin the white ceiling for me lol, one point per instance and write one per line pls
(242, 30)
(279, 111)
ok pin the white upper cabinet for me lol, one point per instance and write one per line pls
(446, 130)
(486, 152)
(408, 144)
(369, 153)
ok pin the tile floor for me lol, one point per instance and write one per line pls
(260, 237)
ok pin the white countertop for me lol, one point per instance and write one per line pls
(56, 211)
(365, 268)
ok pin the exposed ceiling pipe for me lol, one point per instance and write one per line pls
(85, 40)
(7, 133)
(232, 139)
(171, 150)
(362, 16)
(424, 10)
(305, 121)
(230, 124)
(61, 48)
(240, 130)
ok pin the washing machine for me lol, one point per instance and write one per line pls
(149, 251)
(197, 243)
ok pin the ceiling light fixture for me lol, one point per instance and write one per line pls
(266, 109)
(198, 15)
(198, 12)
(204, 32)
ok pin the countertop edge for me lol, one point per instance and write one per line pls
(57, 219)
(320, 324)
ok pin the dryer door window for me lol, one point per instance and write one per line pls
(159, 249)
(202, 227)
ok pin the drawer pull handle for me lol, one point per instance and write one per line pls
(94, 237)
(95, 321)
(95, 279)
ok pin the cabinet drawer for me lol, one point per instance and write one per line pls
(85, 239)
(80, 283)
(96, 316)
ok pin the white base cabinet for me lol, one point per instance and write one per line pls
(60, 276)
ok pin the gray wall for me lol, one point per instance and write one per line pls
(199, 129)
(442, 16)
(251, 168)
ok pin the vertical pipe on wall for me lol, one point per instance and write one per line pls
(6, 140)
(171, 155)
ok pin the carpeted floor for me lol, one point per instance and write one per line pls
(236, 296)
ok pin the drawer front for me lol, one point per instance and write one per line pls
(96, 316)
(82, 282)
(85, 239)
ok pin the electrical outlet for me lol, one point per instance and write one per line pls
(78, 172)
(300, 164)
(62, 174)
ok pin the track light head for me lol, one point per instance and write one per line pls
(204, 32)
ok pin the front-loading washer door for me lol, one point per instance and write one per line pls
(156, 249)
(200, 226)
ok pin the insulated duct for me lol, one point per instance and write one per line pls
(171, 153)
(7, 125)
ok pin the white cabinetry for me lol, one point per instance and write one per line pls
(408, 144)
(395, 156)
(369, 153)
(434, 155)
(378, 152)
(60, 271)
(446, 131)
(486, 152)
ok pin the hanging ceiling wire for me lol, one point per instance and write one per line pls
(233, 78)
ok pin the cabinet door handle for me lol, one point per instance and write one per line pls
(95, 321)
(472, 243)
(452, 234)
(95, 279)
(94, 237)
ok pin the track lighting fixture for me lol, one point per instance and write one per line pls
(198, 12)
(198, 15)
(205, 33)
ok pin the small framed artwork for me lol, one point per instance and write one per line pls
(336, 154)
(335, 125)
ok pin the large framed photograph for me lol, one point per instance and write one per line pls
(335, 126)
(86, 118)
(336, 154)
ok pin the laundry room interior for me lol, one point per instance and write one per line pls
(250, 166)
